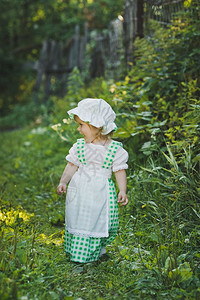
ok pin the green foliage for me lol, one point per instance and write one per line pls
(160, 96)
(24, 27)
(164, 221)
(156, 253)
(26, 114)
(99, 13)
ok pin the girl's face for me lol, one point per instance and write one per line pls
(89, 132)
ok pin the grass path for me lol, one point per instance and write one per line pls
(33, 262)
(149, 259)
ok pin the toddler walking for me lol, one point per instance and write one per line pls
(91, 216)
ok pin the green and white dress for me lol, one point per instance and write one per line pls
(91, 216)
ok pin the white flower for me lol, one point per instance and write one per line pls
(39, 130)
(27, 143)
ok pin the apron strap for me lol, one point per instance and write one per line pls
(112, 149)
(81, 150)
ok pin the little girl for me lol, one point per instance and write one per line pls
(91, 218)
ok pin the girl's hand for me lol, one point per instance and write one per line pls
(61, 188)
(122, 198)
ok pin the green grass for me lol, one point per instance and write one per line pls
(155, 254)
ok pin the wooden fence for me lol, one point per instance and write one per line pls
(57, 60)
(162, 10)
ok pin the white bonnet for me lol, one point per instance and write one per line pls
(96, 112)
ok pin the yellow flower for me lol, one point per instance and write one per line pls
(55, 127)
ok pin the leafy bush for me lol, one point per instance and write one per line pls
(159, 99)
(22, 115)
(155, 254)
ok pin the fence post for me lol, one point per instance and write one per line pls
(83, 44)
(140, 18)
(76, 46)
(133, 26)
(41, 66)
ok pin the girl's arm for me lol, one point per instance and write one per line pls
(121, 181)
(69, 171)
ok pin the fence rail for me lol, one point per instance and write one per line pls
(162, 10)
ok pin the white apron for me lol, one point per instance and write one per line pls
(87, 209)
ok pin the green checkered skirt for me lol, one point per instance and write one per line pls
(87, 249)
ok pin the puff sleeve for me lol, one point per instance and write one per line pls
(120, 160)
(73, 155)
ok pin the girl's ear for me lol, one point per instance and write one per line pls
(77, 119)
